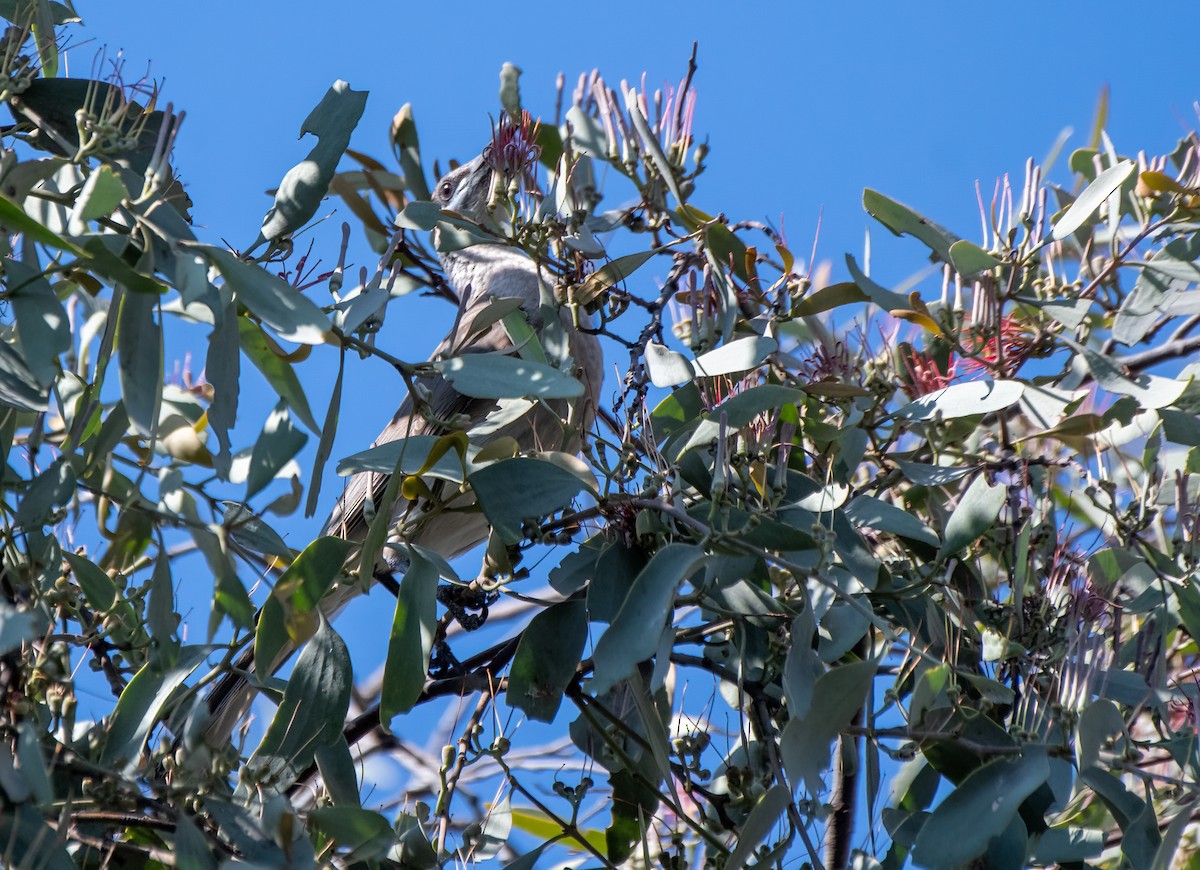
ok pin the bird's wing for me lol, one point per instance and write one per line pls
(445, 402)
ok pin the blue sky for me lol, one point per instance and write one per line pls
(803, 105)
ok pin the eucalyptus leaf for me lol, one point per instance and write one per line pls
(975, 513)
(633, 635)
(300, 726)
(411, 640)
(1093, 196)
(489, 376)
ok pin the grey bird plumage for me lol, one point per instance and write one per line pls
(478, 274)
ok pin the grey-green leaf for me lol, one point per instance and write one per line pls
(140, 360)
(546, 659)
(737, 356)
(411, 640)
(275, 447)
(1093, 196)
(522, 489)
(634, 633)
(981, 808)
(970, 399)
(758, 825)
(489, 376)
(42, 329)
(805, 743)
(269, 298)
(977, 510)
(310, 715)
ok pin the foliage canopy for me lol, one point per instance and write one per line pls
(824, 537)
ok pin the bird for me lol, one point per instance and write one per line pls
(479, 274)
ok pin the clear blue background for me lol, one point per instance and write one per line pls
(804, 105)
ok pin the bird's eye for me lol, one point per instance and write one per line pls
(447, 189)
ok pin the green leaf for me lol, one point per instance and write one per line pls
(1093, 196)
(1067, 845)
(666, 367)
(650, 143)
(304, 185)
(931, 475)
(830, 297)
(483, 841)
(980, 809)
(14, 220)
(322, 674)
(42, 329)
(546, 659)
(737, 356)
(838, 694)
(364, 834)
(976, 512)
(102, 193)
(634, 633)
(30, 842)
(1150, 391)
(49, 491)
(143, 702)
(274, 448)
(971, 399)
(278, 371)
(968, 259)
(873, 513)
(902, 220)
(191, 849)
(269, 298)
(1099, 722)
(411, 640)
(888, 300)
(292, 611)
(253, 532)
(515, 491)
(610, 274)
(1134, 816)
(325, 445)
(16, 627)
(758, 825)
(140, 360)
(19, 386)
(493, 376)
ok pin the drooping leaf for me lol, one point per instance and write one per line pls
(278, 371)
(633, 635)
(276, 445)
(489, 376)
(300, 726)
(1093, 196)
(140, 360)
(363, 834)
(975, 513)
(805, 743)
(758, 825)
(411, 639)
(42, 329)
(546, 659)
(269, 298)
(520, 490)
(964, 824)
(142, 703)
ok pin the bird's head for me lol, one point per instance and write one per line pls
(466, 190)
